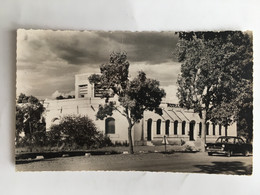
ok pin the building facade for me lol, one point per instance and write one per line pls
(177, 124)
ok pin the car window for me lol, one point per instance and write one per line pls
(219, 140)
(239, 141)
(229, 140)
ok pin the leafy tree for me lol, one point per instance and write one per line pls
(134, 96)
(22, 98)
(61, 97)
(29, 120)
(216, 75)
(76, 131)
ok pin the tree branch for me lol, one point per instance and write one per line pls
(120, 112)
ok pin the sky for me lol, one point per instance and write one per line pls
(47, 61)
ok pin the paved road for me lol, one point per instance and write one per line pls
(177, 162)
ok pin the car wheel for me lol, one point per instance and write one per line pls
(229, 153)
(210, 153)
(246, 153)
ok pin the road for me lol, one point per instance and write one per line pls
(176, 162)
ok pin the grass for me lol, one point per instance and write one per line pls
(148, 149)
(25, 153)
(119, 149)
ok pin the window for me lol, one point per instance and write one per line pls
(228, 140)
(207, 128)
(158, 125)
(239, 141)
(54, 119)
(99, 91)
(200, 128)
(149, 129)
(110, 126)
(214, 129)
(226, 130)
(83, 90)
(183, 127)
(219, 129)
(167, 127)
(175, 127)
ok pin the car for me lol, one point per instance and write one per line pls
(229, 145)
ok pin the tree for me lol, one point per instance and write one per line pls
(61, 97)
(29, 120)
(76, 131)
(216, 75)
(134, 96)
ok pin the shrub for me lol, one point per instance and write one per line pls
(76, 132)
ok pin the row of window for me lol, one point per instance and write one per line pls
(98, 90)
(110, 127)
(175, 129)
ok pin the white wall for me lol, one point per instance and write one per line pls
(87, 107)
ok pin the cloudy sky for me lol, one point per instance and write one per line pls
(47, 61)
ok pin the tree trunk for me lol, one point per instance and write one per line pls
(131, 150)
(203, 131)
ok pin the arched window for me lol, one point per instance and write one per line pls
(191, 130)
(175, 127)
(183, 127)
(207, 128)
(167, 127)
(214, 129)
(55, 119)
(200, 128)
(149, 129)
(219, 129)
(158, 125)
(226, 130)
(110, 126)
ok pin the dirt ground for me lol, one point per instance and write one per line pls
(176, 162)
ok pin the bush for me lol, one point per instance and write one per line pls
(119, 143)
(76, 132)
(36, 139)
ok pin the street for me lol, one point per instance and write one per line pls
(176, 162)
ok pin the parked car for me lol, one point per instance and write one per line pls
(229, 145)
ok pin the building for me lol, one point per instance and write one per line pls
(176, 123)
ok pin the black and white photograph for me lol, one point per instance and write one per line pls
(148, 101)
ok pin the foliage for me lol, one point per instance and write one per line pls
(245, 124)
(216, 74)
(134, 96)
(76, 132)
(118, 143)
(30, 121)
(60, 97)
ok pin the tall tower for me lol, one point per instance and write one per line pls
(83, 89)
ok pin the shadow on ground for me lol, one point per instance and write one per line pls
(232, 168)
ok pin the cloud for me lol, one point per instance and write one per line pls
(149, 47)
(90, 47)
(166, 73)
(48, 60)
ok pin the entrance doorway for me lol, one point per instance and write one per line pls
(149, 129)
(191, 133)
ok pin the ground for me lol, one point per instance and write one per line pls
(142, 160)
